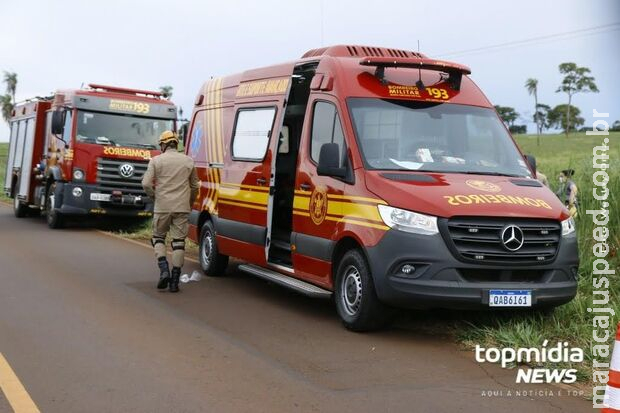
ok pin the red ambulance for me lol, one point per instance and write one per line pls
(379, 177)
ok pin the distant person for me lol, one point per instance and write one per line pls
(568, 191)
(171, 181)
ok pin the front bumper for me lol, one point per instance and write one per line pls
(124, 206)
(442, 281)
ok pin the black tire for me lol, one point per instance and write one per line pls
(19, 208)
(356, 300)
(213, 263)
(55, 220)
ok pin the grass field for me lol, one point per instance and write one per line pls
(570, 322)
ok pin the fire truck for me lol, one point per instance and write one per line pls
(82, 152)
(379, 177)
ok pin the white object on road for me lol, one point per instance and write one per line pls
(196, 276)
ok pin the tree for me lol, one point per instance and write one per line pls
(532, 89)
(615, 126)
(542, 116)
(166, 91)
(558, 117)
(7, 107)
(509, 115)
(576, 80)
(10, 78)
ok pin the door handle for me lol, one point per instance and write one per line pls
(305, 187)
(261, 181)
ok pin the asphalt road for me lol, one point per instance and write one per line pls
(84, 329)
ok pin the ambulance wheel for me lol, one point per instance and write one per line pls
(54, 218)
(212, 262)
(356, 300)
(19, 208)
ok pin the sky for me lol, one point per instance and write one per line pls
(145, 44)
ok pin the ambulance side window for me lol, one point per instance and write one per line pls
(251, 135)
(326, 128)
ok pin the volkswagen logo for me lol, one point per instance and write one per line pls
(512, 237)
(126, 170)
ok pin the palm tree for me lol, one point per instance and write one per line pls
(532, 89)
(7, 107)
(166, 91)
(10, 78)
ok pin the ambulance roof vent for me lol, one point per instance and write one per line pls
(360, 51)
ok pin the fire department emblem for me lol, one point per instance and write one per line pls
(318, 206)
(483, 185)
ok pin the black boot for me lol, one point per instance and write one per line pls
(164, 273)
(174, 280)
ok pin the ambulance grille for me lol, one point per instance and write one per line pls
(110, 179)
(479, 240)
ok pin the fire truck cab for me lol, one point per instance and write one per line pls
(83, 152)
(378, 177)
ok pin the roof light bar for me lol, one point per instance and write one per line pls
(454, 70)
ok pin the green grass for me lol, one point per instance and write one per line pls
(4, 150)
(570, 322)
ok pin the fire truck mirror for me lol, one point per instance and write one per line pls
(183, 132)
(58, 121)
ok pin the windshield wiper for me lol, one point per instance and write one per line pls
(141, 145)
(490, 173)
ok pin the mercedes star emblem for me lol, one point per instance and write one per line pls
(512, 237)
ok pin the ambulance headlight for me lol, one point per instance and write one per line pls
(568, 226)
(408, 221)
(78, 175)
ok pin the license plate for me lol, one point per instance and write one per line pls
(100, 197)
(510, 298)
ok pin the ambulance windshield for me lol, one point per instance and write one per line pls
(434, 137)
(120, 130)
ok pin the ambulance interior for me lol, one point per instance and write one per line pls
(286, 164)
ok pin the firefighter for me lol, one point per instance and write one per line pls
(171, 181)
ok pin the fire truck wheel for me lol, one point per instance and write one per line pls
(212, 262)
(356, 300)
(54, 218)
(19, 208)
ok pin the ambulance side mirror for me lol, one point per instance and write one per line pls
(532, 161)
(58, 121)
(329, 161)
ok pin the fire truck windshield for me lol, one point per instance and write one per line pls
(119, 129)
(434, 137)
